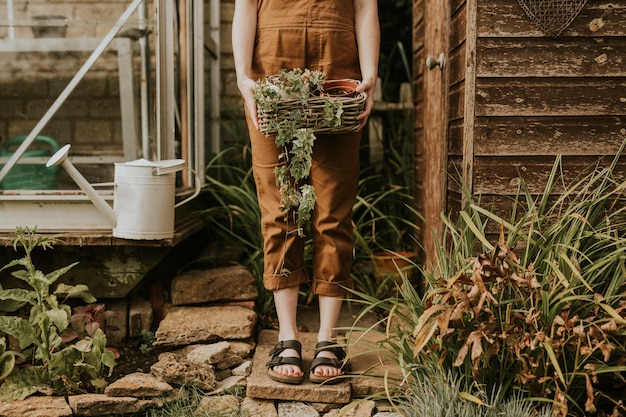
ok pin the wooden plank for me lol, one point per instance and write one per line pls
(519, 136)
(469, 114)
(184, 228)
(457, 101)
(456, 5)
(456, 63)
(458, 27)
(502, 175)
(505, 18)
(543, 57)
(550, 97)
(436, 31)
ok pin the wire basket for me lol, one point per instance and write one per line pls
(311, 112)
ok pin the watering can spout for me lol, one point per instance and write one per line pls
(60, 158)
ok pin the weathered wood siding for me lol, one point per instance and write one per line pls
(538, 96)
(518, 98)
(418, 80)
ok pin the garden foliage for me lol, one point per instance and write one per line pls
(541, 311)
(44, 360)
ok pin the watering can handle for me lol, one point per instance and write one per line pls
(196, 191)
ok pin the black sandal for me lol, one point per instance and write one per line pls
(286, 360)
(339, 362)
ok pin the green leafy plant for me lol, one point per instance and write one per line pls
(53, 366)
(541, 311)
(295, 140)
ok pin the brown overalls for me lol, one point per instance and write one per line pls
(318, 35)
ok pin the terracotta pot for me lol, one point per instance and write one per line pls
(393, 264)
(339, 88)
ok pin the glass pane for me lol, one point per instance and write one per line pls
(43, 45)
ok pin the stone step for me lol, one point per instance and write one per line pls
(365, 359)
(261, 386)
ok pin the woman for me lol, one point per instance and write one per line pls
(341, 38)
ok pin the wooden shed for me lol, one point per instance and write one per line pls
(500, 94)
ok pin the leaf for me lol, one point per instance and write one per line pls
(83, 346)
(72, 291)
(59, 317)
(555, 362)
(469, 397)
(22, 383)
(54, 275)
(20, 329)
(611, 312)
(7, 363)
(18, 294)
(423, 336)
(479, 235)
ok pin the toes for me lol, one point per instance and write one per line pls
(327, 371)
(286, 370)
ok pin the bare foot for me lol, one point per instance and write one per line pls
(324, 370)
(288, 370)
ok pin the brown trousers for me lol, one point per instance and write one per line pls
(318, 35)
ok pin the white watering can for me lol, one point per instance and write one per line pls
(143, 199)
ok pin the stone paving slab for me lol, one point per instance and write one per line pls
(370, 364)
(261, 386)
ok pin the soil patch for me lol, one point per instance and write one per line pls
(132, 360)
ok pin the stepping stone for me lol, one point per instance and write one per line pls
(262, 387)
(367, 361)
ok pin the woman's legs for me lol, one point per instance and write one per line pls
(286, 301)
(330, 308)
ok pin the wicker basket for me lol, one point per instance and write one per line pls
(312, 112)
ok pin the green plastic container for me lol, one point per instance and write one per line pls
(30, 176)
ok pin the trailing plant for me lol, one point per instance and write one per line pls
(541, 310)
(50, 364)
(297, 198)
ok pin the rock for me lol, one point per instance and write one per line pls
(117, 323)
(387, 414)
(102, 405)
(243, 349)
(230, 361)
(325, 407)
(36, 407)
(189, 325)
(227, 385)
(222, 375)
(174, 369)
(365, 408)
(251, 407)
(244, 369)
(219, 405)
(140, 317)
(139, 385)
(296, 409)
(361, 408)
(370, 363)
(210, 354)
(234, 283)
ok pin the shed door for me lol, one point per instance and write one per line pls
(435, 122)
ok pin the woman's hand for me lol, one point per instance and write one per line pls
(246, 87)
(367, 87)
